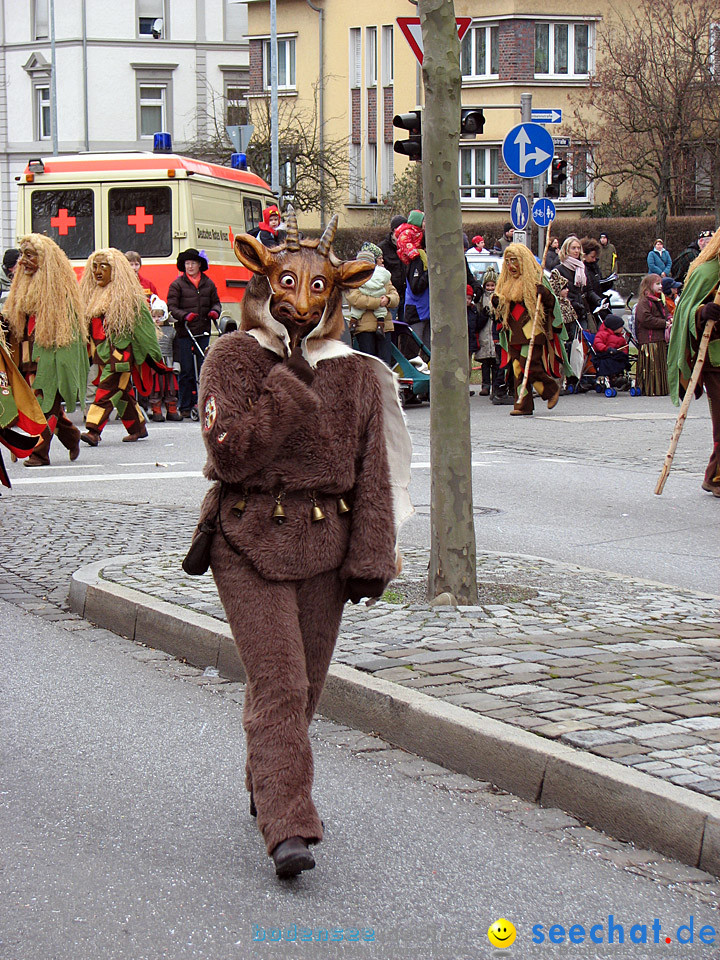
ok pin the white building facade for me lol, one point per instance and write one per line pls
(124, 70)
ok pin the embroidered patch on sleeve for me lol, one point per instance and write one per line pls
(210, 413)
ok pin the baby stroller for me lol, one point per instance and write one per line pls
(224, 325)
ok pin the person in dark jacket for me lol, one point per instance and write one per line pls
(193, 303)
(552, 260)
(651, 318)
(681, 264)
(596, 288)
(393, 263)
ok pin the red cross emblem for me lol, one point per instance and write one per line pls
(62, 221)
(140, 219)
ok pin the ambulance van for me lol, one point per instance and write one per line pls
(155, 203)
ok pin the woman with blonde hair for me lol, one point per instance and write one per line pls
(651, 317)
(47, 339)
(572, 269)
(122, 339)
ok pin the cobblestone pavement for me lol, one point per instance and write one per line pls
(35, 573)
(623, 668)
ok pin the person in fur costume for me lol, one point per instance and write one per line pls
(122, 339)
(19, 411)
(309, 457)
(521, 282)
(695, 308)
(48, 340)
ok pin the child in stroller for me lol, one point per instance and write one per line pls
(610, 353)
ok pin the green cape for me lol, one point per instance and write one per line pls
(685, 334)
(62, 370)
(142, 341)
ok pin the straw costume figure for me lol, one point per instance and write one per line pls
(694, 310)
(309, 455)
(122, 339)
(48, 342)
(521, 282)
(19, 411)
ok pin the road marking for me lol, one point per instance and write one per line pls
(152, 463)
(160, 475)
(425, 464)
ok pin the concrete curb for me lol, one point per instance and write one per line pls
(627, 804)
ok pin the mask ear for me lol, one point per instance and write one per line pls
(252, 253)
(354, 273)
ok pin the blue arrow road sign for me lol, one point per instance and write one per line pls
(528, 150)
(546, 115)
(543, 212)
(519, 211)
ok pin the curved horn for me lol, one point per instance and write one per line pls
(293, 235)
(327, 238)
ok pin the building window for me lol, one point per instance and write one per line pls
(236, 19)
(478, 170)
(153, 110)
(43, 124)
(354, 155)
(578, 185)
(371, 178)
(562, 49)
(151, 19)
(67, 217)
(41, 20)
(355, 64)
(388, 56)
(371, 56)
(388, 169)
(479, 55)
(236, 111)
(286, 63)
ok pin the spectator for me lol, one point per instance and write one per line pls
(394, 264)
(193, 303)
(370, 305)
(651, 319)
(659, 260)
(507, 238)
(486, 352)
(552, 260)
(149, 288)
(269, 231)
(608, 256)
(472, 322)
(670, 289)
(7, 271)
(611, 350)
(479, 244)
(165, 389)
(593, 287)
(572, 268)
(681, 264)
(411, 250)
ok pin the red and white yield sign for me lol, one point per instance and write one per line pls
(410, 27)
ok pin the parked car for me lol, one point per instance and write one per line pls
(479, 263)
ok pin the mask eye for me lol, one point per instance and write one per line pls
(287, 280)
(318, 285)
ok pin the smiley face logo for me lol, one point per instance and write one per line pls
(501, 933)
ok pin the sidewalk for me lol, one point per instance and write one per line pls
(583, 690)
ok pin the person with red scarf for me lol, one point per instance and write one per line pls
(269, 232)
(651, 318)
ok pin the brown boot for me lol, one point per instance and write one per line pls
(172, 413)
(157, 415)
(92, 437)
(133, 437)
(35, 461)
(291, 857)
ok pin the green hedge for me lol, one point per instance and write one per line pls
(632, 236)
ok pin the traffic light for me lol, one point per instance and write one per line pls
(557, 178)
(412, 122)
(472, 121)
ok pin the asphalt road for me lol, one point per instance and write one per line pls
(574, 485)
(125, 834)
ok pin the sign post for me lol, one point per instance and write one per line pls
(410, 27)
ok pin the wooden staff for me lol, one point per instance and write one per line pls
(680, 422)
(522, 392)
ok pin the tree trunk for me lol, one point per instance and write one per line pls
(452, 549)
(662, 198)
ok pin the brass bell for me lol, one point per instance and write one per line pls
(317, 513)
(238, 507)
(278, 513)
(342, 505)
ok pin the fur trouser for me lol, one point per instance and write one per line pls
(285, 632)
(60, 425)
(711, 379)
(538, 377)
(115, 389)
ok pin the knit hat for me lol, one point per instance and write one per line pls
(478, 239)
(416, 218)
(507, 226)
(469, 292)
(157, 304)
(705, 234)
(613, 322)
(10, 258)
(396, 221)
(490, 276)
(373, 248)
(364, 253)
